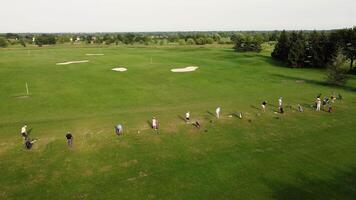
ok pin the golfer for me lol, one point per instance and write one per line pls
(118, 129)
(280, 105)
(217, 111)
(318, 104)
(264, 104)
(154, 123)
(69, 137)
(24, 132)
(187, 116)
(280, 102)
(29, 143)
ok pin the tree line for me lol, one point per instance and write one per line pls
(317, 48)
(248, 39)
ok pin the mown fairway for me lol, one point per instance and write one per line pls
(308, 155)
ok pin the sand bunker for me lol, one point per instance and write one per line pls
(94, 54)
(119, 69)
(185, 69)
(73, 62)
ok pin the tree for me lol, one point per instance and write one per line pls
(296, 55)
(282, 47)
(316, 49)
(347, 38)
(3, 42)
(245, 43)
(22, 42)
(45, 39)
(335, 74)
(190, 41)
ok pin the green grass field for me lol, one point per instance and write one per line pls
(308, 155)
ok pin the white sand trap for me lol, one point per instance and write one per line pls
(119, 69)
(185, 69)
(73, 62)
(94, 54)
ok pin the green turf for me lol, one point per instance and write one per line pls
(308, 155)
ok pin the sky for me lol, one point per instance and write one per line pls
(174, 15)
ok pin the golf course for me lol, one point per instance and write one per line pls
(264, 155)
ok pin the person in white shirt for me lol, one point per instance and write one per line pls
(218, 110)
(318, 104)
(118, 129)
(280, 102)
(154, 123)
(187, 116)
(24, 132)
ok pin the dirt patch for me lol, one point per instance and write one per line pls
(129, 163)
(105, 168)
(88, 172)
(140, 175)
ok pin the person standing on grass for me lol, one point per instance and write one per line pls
(217, 111)
(24, 132)
(154, 123)
(69, 137)
(29, 143)
(264, 104)
(187, 116)
(119, 129)
(280, 105)
(318, 104)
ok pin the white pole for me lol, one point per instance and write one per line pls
(27, 88)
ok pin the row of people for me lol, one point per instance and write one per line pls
(154, 122)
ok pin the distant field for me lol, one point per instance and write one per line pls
(308, 155)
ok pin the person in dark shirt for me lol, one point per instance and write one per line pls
(29, 143)
(69, 139)
(264, 104)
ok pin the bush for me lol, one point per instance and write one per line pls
(3, 42)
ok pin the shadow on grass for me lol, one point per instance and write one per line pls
(255, 107)
(210, 113)
(314, 82)
(149, 123)
(181, 118)
(342, 186)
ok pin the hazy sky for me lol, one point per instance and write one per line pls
(173, 15)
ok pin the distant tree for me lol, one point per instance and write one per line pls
(317, 50)
(181, 42)
(3, 42)
(296, 54)
(217, 37)
(282, 47)
(63, 39)
(22, 42)
(245, 43)
(190, 41)
(12, 36)
(335, 74)
(45, 39)
(200, 41)
(347, 39)
(209, 40)
(129, 38)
